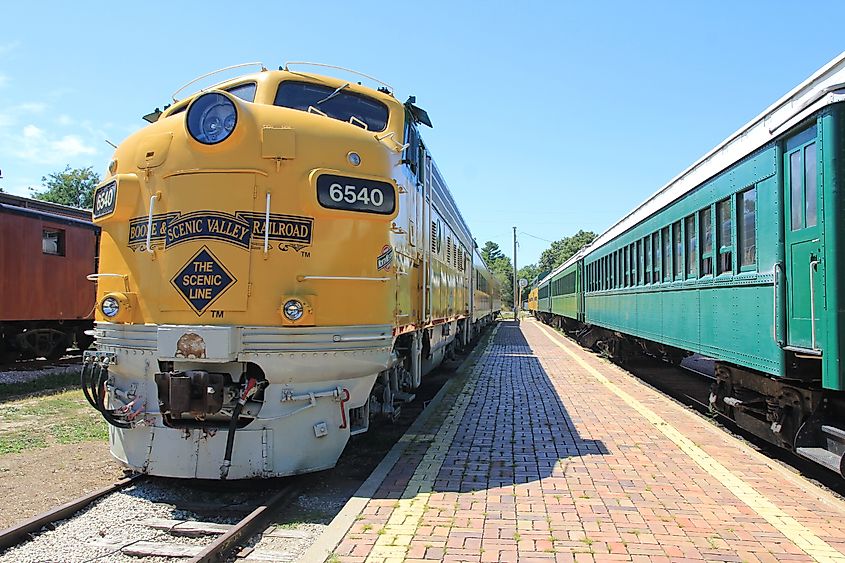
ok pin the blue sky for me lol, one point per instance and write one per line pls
(550, 117)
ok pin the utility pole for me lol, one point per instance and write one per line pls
(515, 281)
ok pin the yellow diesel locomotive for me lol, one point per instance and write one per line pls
(532, 301)
(280, 262)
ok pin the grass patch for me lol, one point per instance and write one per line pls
(63, 417)
(51, 382)
(16, 442)
(82, 430)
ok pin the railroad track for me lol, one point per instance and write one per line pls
(159, 525)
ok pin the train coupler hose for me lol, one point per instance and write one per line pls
(94, 379)
(250, 389)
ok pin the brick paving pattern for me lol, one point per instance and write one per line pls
(535, 457)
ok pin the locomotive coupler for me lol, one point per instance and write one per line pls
(190, 394)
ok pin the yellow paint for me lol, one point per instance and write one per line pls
(278, 153)
(799, 534)
(532, 299)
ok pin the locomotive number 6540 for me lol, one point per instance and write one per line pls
(355, 194)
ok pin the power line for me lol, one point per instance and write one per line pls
(536, 237)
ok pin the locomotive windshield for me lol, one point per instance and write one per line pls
(336, 103)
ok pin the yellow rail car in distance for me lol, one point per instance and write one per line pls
(532, 301)
(280, 262)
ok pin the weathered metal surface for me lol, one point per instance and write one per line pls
(39, 286)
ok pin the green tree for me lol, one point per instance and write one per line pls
(491, 252)
(502, 269)
(562, 250)
(72, 186)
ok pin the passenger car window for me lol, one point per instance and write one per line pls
(692, 246)
(655, 255)
(810, 187)
(705, 225)
(679, 250)
(724, 237)
(351, 107)
(746, 226)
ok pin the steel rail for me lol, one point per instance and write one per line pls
(15, 534)
(249, 526)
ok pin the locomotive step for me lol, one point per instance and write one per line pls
(823, 457)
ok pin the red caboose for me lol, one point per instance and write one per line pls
(46, 302)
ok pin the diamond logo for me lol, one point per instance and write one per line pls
(202, 280)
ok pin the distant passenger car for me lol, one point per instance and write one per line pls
(46, 302)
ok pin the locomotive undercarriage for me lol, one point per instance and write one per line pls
(254, 414)
(275, 403)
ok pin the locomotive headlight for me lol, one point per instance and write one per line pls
(293, 310)
(110, 307)
(211, 118)
(354, 158)
(117, 306)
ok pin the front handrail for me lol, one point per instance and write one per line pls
(96, 278)
(267, 226)
(219, 70)
(153, 198)
(367, 76)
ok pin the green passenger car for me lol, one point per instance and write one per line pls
(738, 259)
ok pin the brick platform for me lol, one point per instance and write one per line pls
(544, 452)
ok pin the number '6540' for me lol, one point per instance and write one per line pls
(356, 194)
(352, 194)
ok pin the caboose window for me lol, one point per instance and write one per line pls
(746, 224)
(53, 242)
(336, 103)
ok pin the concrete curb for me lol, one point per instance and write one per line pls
(321, 549)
